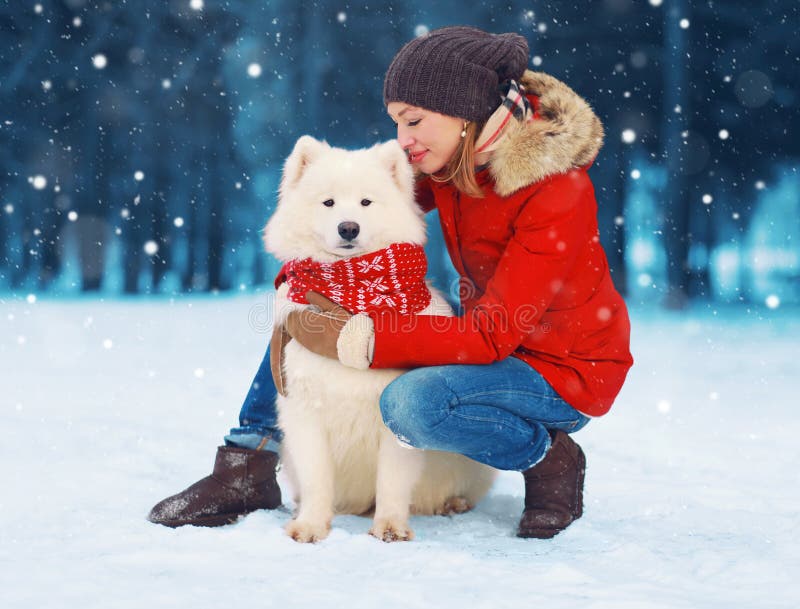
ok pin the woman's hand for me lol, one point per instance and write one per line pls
(318, 332)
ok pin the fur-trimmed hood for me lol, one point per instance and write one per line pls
(566, 134)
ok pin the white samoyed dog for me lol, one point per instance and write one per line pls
(337, 453)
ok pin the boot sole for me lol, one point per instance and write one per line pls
(217, 520)
(538, 533)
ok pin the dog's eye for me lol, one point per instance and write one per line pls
(365, 202)
(328, 203)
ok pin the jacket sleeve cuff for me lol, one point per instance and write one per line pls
(357, 342)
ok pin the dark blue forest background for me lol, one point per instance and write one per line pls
(141, 142)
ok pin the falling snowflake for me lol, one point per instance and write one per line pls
(629, 136)
(753, 89)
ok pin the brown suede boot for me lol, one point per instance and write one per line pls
(243, 481)
(553, 490)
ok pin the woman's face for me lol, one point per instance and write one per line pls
(430, 139)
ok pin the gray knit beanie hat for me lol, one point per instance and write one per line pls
(455, 71)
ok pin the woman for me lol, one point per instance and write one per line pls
(543, 344)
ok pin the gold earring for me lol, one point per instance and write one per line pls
(464, 130)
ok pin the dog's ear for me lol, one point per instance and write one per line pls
(305, 150)
(396, 161)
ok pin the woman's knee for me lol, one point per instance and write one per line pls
(396, 403)
(412, 403)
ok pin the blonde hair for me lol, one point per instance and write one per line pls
(460, 169)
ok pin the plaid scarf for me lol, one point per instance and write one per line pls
(391, 278)
(515, 104)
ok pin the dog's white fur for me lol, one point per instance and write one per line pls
(337, 452)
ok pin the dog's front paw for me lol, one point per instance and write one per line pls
(307, 532)
(389, 529)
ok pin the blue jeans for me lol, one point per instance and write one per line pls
(258, 418)
(498, 414)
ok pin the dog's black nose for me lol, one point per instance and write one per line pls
(349, 230)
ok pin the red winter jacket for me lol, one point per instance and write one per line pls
(535, 282)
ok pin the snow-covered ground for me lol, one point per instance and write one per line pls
(692, 488)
